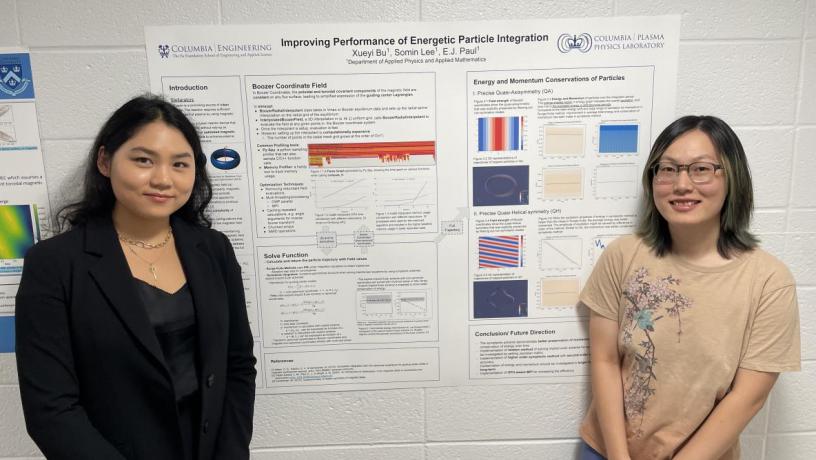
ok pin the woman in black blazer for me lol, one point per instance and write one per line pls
(132, 332)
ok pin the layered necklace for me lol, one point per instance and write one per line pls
(130, 242)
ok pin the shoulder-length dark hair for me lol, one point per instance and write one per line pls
(735, 216)
(97, 198)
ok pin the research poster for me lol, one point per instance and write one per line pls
(24, 207)
(419, 204)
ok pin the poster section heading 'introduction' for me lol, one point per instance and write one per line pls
(419, 204)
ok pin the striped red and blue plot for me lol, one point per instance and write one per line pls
(501, 133)
(501, 251)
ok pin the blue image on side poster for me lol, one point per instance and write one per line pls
(15, 76)
(618, 139)
(501, 185)
(17, 231)
(225, 159)
(6, 334)
(500, 299)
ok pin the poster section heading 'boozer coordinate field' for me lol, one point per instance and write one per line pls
(419, 204)
(24, 207)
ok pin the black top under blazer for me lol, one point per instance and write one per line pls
(93, 379)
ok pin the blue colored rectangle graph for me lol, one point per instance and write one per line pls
(618, 139)
(6, 334)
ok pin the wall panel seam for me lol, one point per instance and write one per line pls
(17, 23)
(738, 41)
(90, 49)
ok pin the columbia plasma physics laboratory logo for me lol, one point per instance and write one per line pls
(164, 51)
(567, 42)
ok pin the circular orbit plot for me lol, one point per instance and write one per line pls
(500, 299)
(500, 185)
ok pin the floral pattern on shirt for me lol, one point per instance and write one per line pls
(645, 303)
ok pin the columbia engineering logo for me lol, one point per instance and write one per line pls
(164, 51)
(581, 42)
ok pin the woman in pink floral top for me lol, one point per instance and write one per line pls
(691, 323)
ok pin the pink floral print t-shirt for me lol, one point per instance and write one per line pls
(684, 330)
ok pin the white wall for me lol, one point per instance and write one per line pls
(752, 62)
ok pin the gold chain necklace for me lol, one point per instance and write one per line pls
(144, 244)
(150, 265)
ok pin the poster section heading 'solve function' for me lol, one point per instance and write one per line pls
(420, 204)
(24, 207)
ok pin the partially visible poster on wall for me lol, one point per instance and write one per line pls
(24, 207)
(419, 204)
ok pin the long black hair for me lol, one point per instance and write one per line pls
(735, 216)
(97, 198)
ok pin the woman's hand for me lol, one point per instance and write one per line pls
(725, 423)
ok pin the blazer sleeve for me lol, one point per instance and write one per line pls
(235, 431)
(49, 388)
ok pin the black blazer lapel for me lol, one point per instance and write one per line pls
(115, 280)
(210, 300)
(204, 282)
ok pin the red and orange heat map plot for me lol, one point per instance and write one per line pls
(321, 155)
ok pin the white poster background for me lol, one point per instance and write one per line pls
(23, 192)
(363, 171)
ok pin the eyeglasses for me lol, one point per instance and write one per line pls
(700, 172)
